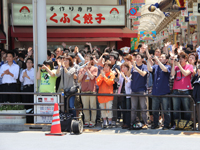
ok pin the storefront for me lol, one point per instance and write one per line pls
(73, 24)
(2, 35)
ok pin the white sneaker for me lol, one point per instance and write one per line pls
(174, 127)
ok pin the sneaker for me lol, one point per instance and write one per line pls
(110, 126)
(86, 125)
(165, 128)
(131, 127)
(91, 125)
(104, 126)
(174, 127)
(125, 126)
(113, 123)
(145, 127)
(155, 127)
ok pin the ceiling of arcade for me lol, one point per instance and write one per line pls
(156, 21)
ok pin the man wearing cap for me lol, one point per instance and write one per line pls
(113, 58)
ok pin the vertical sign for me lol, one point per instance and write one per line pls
(192, 19)
(185, 12)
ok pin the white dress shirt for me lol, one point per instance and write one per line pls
(14, 69)
(25, 80)
(128, 89)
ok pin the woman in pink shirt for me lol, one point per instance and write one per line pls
(182, 73)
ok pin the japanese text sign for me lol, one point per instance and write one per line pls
(71, 15)
(45, 109)
(192, 19)
(185, 12)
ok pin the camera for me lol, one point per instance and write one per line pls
(40, 65)
(177, 59)
(153, 57)
(106, 57)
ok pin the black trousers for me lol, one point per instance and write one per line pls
(1, 90)
(28, 98)
(9, 97)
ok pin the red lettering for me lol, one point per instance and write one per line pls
(75, 19)
(52, 18)
(88, 19)
(99, 18)
(65, 18)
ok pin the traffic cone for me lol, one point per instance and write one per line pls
(55, 126)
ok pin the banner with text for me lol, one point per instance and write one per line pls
(71, 15)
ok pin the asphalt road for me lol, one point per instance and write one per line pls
(103, 140)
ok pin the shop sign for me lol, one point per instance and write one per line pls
(171, 26)
(185, 12)
(135, 27)
(177, 29)
(45, 109)
(136, 21)
(178, 22)
(174, 23)
(137, 1)
(147, 35)
(181, 19)
(184, 25)
(165, 34)
(186, 19)
(138, 7)
(71, 15)
(135, 31)
(170, 32)
(196, 9)
(192, 28)
(192, 19)
(133, 43)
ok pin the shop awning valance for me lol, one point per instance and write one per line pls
(73, 39)
(27, 32)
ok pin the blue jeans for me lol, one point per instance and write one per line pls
(71, 105)
(165, 102)
(177, 101)
(126, 104)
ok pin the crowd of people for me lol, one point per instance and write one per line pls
(139, 72)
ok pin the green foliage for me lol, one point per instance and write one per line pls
(11, 107)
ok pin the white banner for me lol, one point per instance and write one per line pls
(195, 9)
(71, 15)
(185, 12)
(45, 109)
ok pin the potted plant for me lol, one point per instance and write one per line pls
(16, 109)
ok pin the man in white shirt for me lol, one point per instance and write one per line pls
(9, 73)
(27, 78)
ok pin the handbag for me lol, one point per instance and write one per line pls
(65, 122)
(71, 90)
(183, 124)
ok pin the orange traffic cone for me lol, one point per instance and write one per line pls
(55, 126)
